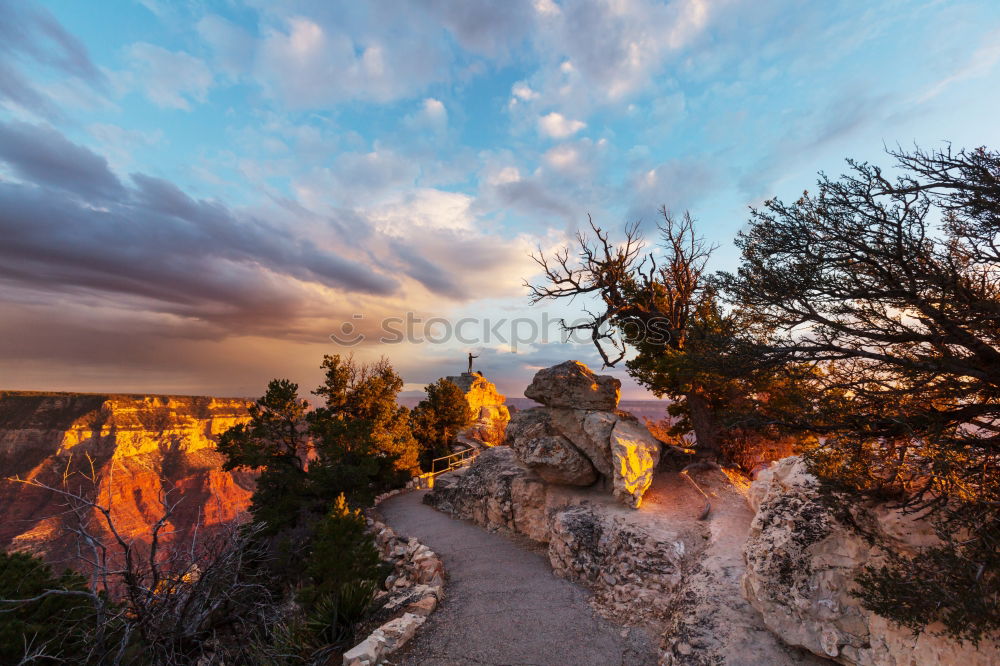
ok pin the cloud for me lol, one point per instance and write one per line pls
(234, 47)
(34, 32)
(677, 184)
(484, 26)
(557, 126)
(171, 79)
(432, 115)
(32, 35)
(75, 228)
(366, 53)
(43, 155)
(523, 91)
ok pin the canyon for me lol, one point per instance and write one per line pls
(126, 452)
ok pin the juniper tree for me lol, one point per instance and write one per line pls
(892, 284)
(438, 418)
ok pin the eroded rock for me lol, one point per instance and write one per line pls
(635, 453)
(488, 408)
(578, 436)
(539, 444)
(572, 384)
(801, 564)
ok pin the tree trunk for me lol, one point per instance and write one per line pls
(703, 422)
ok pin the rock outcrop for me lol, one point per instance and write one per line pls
(577, 436)
(489, 411)
(801, 564)
(573, 384)
(660, 566)
(139, 447)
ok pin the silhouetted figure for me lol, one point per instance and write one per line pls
(470, 362)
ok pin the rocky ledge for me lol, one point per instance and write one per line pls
(801, 563)
(658, 567)
(579, 437)
(489, 411)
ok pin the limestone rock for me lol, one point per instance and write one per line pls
(801, 563)
(635, 453)
(540, 446)
(488, 408)
(572, 384)
(496, 491)
(578, 435)
(589, 431)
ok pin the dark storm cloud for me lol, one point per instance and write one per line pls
(44, 156)
(61, 233)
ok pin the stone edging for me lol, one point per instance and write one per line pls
(415, 587)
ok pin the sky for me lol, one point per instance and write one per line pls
(197, 196)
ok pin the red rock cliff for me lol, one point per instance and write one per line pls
(139, 447)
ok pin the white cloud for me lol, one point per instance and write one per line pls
(557, 126)
(562, 158)
(422, 209)
(522, 90)
(171, 79)
(319, 61)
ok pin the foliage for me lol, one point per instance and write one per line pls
(312, 464)
(438, 418)
(55, 624)
(365, 395)
(275, 442)
(892, 285)
(343, 571)
(662, 304)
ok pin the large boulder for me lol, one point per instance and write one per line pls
(590, 431)
(802, 559)
(572, 384)
(543, 449)
(578, 436)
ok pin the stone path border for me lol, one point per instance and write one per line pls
(416, 586)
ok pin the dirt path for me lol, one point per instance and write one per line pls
(503, 605)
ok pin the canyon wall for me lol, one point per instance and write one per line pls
(128, 452)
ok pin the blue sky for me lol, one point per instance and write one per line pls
(195, 194)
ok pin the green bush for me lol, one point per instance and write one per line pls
(55, 624)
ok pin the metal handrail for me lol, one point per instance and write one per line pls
(454, 461)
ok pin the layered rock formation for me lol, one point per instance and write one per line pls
(488, 408)
(126, 451)
(660, 566)
(801, 563)
(578, 437)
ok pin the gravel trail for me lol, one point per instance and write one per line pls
(502, 604)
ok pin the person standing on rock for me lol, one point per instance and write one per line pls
(470, 362)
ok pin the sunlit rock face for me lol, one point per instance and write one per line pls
(572, 384)
(125, 451)
(578, 436)
(489, 410)
(801, 564)
(532, 434)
